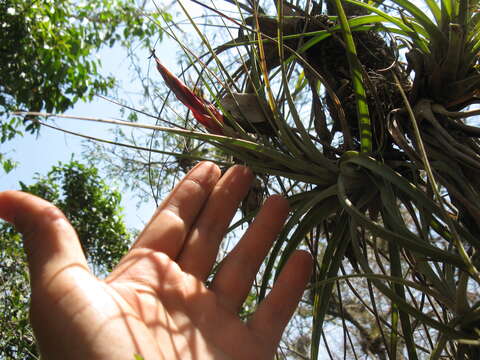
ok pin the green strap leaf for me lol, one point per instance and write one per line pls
(356, 70)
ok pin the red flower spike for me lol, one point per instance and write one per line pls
(203, 111)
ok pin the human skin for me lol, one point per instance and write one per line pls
(155, 302)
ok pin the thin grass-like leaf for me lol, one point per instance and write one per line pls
(363, 116)
(403, 305)
(439, 347)
(393, 223)
(447, 10)
(435, 35)
(309, 148)
(316, 198)
(404, 27)
(410, 241)
(435, 10)
(311, 220)
(394, 335)
(456, 47)
(372, 276)
(329, 267)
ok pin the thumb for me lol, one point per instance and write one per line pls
(49, 240)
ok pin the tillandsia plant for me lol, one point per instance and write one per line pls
(363, 115)
(376, 154)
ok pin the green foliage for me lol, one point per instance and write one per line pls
(94, 210)
(16, 340)
(48, 49)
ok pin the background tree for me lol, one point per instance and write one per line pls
(94, 210)
(48, 48)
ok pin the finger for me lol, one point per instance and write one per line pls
(233, 281)
(201, 248)
(172, 221)
(50, 241)
(275, 311)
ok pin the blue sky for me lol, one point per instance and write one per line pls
(37, 154)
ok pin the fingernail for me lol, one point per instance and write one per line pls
(204, 170)
(202, 164)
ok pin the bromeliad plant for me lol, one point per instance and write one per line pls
(359, 113)
(377, 158)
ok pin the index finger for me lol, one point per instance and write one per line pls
(169, 226)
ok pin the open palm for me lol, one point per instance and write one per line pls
(155, 303)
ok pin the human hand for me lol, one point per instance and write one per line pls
(155, 303)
